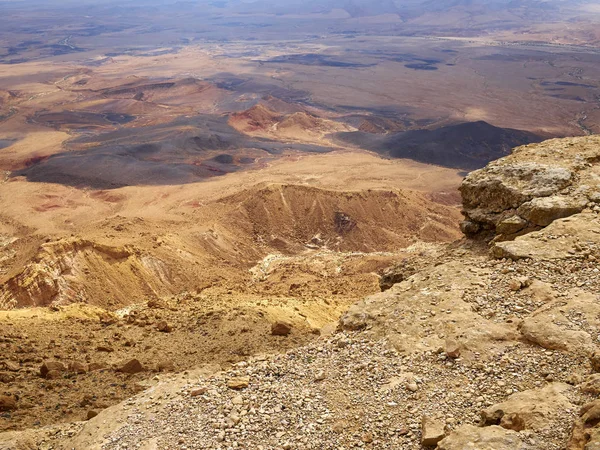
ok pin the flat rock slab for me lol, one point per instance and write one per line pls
(432, 431)
(469, 437)
(560, 240)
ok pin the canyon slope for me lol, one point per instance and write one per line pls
(488, 342)
(93, 273)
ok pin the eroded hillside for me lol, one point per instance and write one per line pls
(486, 345)
(179, 276)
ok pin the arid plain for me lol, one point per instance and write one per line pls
(221, 170)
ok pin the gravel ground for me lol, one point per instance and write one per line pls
(342, 393)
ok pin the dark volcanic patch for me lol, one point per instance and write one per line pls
(184, 151)
(256, 85)
(465, 146)
(313, 59)
(6, 143)
(137, 88)
(420, 66)
(411, 61)
(81, 119)
(574, 98)
(565, 83)
(223, 159)
(39, 48)
(376, 124)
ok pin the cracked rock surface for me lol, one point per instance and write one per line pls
(532, 187)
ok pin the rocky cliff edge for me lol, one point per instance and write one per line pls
(494, 344)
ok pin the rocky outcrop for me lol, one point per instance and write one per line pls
(532, 187)
(535, 290)
(534, 409)
(396, 274)
(573, 237)
(76, 270)
(418, 316)
(586, 431)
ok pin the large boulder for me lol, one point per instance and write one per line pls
(280, 328)
(534, 409)
(396, 274)
(130, 367)
(49, 368)
(532, 187)
(542, 211)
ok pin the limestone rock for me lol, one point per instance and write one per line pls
(105, 348)
(532, 410)
(549, 327)
(405, 315)
(506, 184)
(591, 385)
(77, 367)
(53, 375)
(166, 366)
(95, 366)
(586, 431)
(432, 431)
(11, 366)
(238, 383)
(470, 228)
(396, 274)
(164, 327)
(530, 188)
(515, 285)
(540, 331)
(469, 437)
(320, 376)
(452, 348)
(595, 361)
(6, 377)
(367, 438)
(543, 211)
(555, 242)
(198, 392)
(354, 319)
(511, 225)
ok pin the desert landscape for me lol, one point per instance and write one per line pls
(210, 208)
